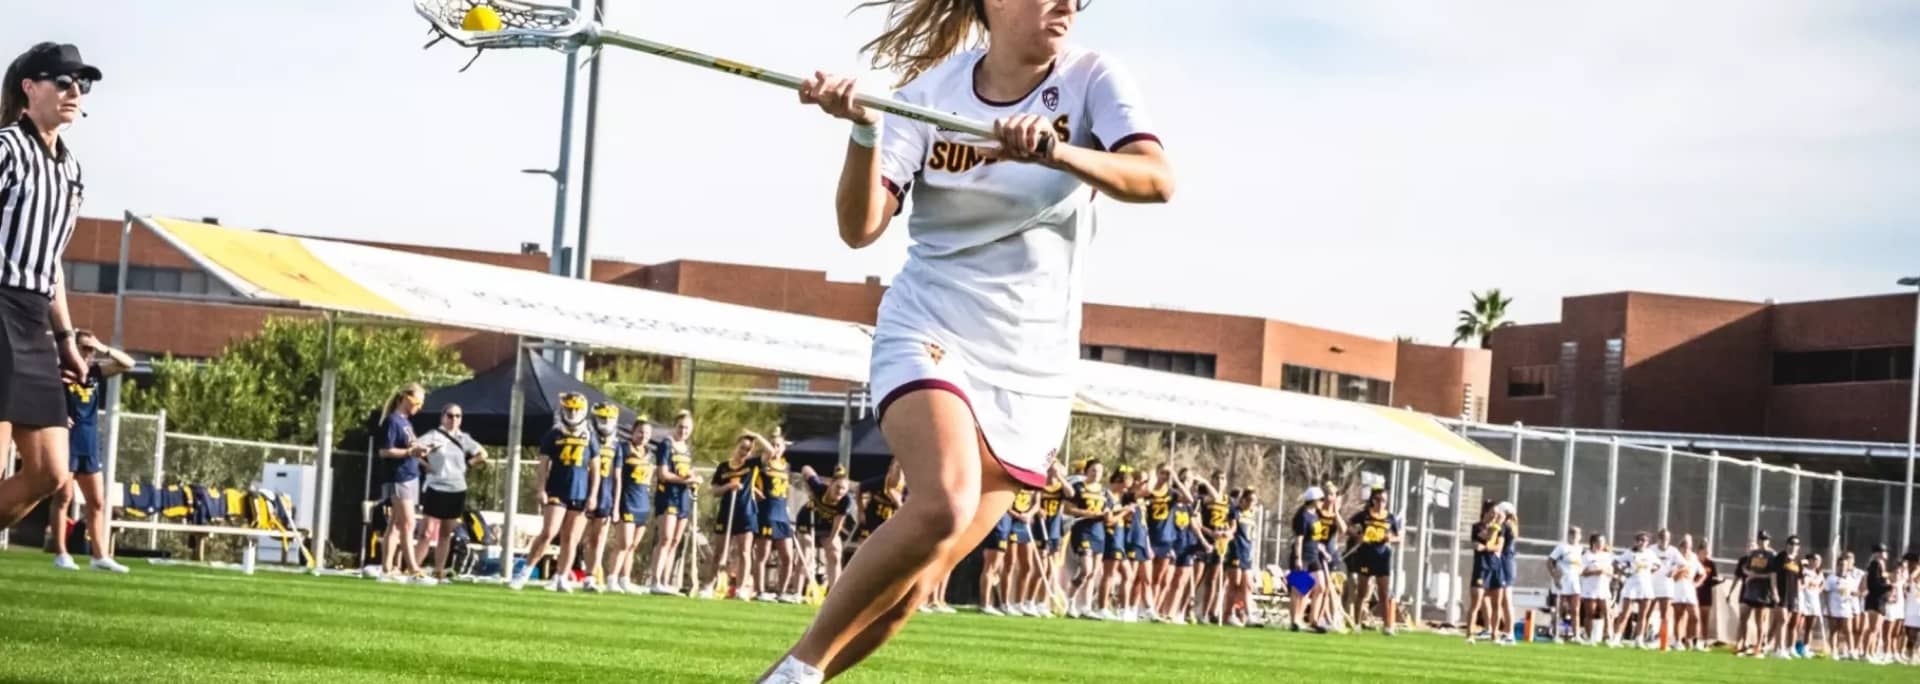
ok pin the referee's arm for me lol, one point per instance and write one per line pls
(73, 367)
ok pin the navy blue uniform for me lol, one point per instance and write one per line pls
(1219, 520)
(1489, 570)
(567, 476)
(1025, 502)
(821, 513)
(1117, 531)
(1139, 544)
(737, 514)
(83, 408)
(1187, 544)
(602, 504)
(1050, 526)
(1090, 534)
(1509, 564)
(879, 507)
(1305, 521)
(673, 498)
(1240, 550)
(1161, 528)
(771, 480)
(1374, 556)
(636, 483)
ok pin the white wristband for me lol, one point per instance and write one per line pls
(865, 135)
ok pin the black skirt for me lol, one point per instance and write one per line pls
(30, 391)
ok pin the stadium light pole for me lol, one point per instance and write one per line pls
(1913, 417)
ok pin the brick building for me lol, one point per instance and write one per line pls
(1832, 369)
(1441, 380)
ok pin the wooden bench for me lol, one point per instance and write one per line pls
(249, 556)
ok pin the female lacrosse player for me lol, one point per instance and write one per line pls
(999, 229)
(569, 481)
(1025, 596)
(1786, 607)
(735, 521)
(1563, 568)
(672, 500)
(1161, 535)
(1377, 529)
(41, 191)
(1489, 538)
(604, 493)
(1596, 590)
(1843, 603)
(1662, 600)
(635, 473)
(1911, 564)
(400, 484)
(1686, 575)
(774, 535)
(1637, 591)
(84, 399)
(829, 505)
(1088, 508)
(1050, 528)
(1893, 632)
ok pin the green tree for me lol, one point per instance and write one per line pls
(1489, 313)
(267, 387)
(720, 409)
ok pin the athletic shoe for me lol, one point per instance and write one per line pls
(1235, 621)
(789, 598)
(639, 589)
(391, 579)
(1074, 612)
(593, 586)
(424, 580)
(990, 610)
(65, 562)
(1389, 632)
(925, 608)
(519, 582)
(107, 565)
(944, 608)
(792, 671)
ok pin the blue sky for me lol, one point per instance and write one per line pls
(1353, 165)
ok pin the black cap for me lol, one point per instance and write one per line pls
(60, 59)
(1879, 548)
(1764, 536)
(1793, 540)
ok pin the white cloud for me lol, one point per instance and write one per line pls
(1350, 165)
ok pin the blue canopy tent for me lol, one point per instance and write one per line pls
(868, 461)
(486, 401)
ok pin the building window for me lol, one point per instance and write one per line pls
(795, 385)
(1328, 383)
(1184, 363)
(105, 279)
(1530, 381)
(1872, 364)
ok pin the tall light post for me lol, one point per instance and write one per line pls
(1913, 419)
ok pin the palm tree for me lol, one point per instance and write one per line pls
(1489, 313)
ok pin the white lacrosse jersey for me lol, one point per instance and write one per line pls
(1567, 558)
(995, 266)
(1671, 560)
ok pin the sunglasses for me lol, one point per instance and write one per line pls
(451, 415)
(65, 81)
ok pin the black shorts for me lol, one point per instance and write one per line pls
(84, 462)
(31, 395)
(1789, 599)
(1876, 602)
(1757, 595)
(1372, 560)
(443, 505)
(1188, 554)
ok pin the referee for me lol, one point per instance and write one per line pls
(40, 193)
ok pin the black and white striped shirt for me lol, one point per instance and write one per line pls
(40, 193)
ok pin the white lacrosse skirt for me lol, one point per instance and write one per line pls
(1569, 585)
(1684, 594)
(1913, 612)
(1809, 602)
(1596, 587)
(1841, 606)
(1662, 586)
(1637, 587)
(1023, 431)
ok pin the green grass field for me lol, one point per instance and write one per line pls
(178, 624)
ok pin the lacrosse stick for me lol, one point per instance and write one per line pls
(524, 24)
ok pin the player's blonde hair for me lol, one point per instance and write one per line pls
(921, 33)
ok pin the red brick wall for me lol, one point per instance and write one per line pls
(1299, 345)
(1695, 365)
(1523, 345)
(1865, 411)
(1881, 321)
(157, 326)
(779, 289)
(1234, 341)
(1435, 379)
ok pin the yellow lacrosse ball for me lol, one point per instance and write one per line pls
(480, 19)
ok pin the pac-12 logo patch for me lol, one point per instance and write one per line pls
(1051, 98)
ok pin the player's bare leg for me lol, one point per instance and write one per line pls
(552, 517)
(959, 494)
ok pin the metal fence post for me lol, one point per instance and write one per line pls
(1833, 526)
(1424, 547)
(1453, 547)
(1401, 495)
(159, 466)
(1713, 499)
(1753, 503)
(515, 417)
(1513, 479)
(1613, 486)
(1793, 502)
(1666, 486)
(1566, 482)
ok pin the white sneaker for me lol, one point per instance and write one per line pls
(65, 562)
(425, 580)
(990, 610)
(518, 582)
(639, 589)
(790, 598)
(792, 671)
(1235, 621)
(1074, 612)
(944, 608)
(593, 585)
(925, 608)
(560, 584)
(390, 579)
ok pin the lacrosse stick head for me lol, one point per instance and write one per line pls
(521, 24)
